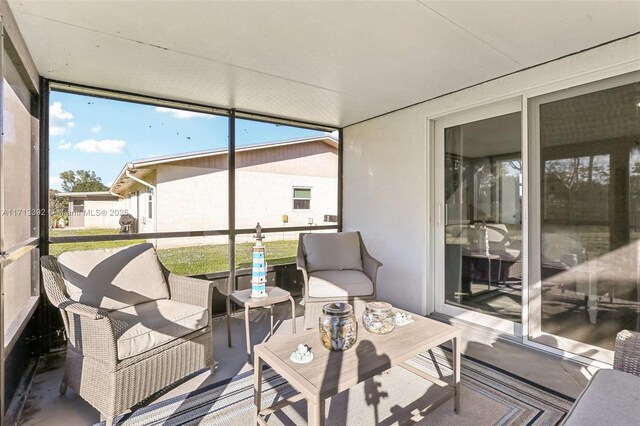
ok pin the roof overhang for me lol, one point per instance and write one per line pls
(142, 167)
(93, 194)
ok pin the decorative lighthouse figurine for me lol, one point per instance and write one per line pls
(259, 269)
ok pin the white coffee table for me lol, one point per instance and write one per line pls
(332, 372)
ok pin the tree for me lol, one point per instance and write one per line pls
(58, 208)
(81, 181)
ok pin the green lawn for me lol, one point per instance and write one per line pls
(188, 260)
(56, 249)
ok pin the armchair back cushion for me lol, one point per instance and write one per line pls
(332, 252)
(114, 279)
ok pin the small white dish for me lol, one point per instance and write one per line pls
(302, 355)
(305, 360)
(403, 319)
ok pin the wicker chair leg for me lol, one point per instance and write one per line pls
(109, 421)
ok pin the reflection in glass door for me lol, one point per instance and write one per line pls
(588, 283)
(483, 216)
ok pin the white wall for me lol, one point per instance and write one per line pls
(193, 198)
(386, 193)
(190, 199)
(103, 213)
(265, 197)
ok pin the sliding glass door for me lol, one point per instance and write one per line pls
(585, 269)
(479, 234)
(547, 245)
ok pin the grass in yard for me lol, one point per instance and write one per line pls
(66, 232)
(278, 253)
(196, 260)
(57, 249)
(188, 260)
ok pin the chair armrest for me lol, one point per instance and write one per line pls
(301, 265)
(86, 311)
(370, 267)
(370, 264)
(627, 354)
(92, 332)
(193, 291)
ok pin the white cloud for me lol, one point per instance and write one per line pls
(104, 146)
(96, 128)
(64, 145)
(59, 120)
(56, 112)
(181, 114)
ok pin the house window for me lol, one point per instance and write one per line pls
(301, 198)
(150, 205)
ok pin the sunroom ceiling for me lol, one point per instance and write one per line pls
(334, 63)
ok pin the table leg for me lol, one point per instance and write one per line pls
(293, 315)
(592, 300)
(586, 283)
(456, 373)
(257, 389)
(271, 321)
(315, 412)
(229, 321)
(247, 332)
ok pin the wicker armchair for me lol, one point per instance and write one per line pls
(97, 369)
(336, 268)
(627, 355)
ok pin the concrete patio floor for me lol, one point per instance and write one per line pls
(45, 406)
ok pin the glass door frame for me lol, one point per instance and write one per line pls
(532, 332)
(508, 106)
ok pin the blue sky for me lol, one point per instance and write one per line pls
(103, 135)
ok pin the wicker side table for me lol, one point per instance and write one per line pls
(275, 295)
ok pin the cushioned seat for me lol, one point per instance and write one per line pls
(339, 283)
(145, 326)
(611, 397)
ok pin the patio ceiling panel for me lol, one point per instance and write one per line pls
(531, 31)
(333, 63)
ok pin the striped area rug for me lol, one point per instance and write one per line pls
(490, 396)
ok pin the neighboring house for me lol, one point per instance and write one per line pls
(93, 209)
(286, 183)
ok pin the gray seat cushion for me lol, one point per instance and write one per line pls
(114, 279)
(611, 398)
(148, 325)
(339, 284)
(327, 252)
